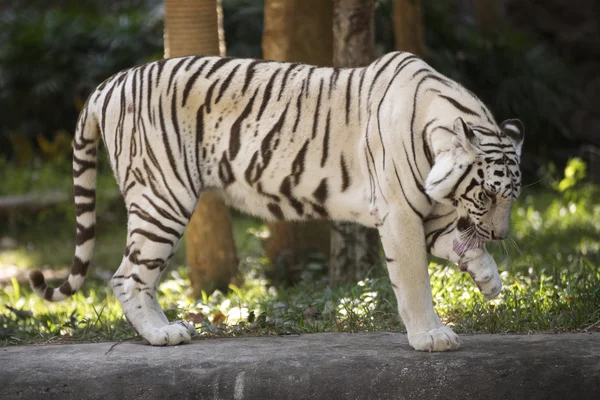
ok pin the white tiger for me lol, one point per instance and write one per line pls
(394, 145)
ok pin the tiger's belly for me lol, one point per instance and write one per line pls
(352, 205)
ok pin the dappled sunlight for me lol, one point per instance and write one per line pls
(20, 258)
(550, 275)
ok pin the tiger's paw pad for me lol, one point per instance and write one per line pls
(438, 339)
(170, 335)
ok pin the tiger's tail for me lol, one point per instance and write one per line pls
(85, 144)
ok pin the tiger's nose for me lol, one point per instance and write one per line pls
(500, 234)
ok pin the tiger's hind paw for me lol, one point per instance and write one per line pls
(170, 335)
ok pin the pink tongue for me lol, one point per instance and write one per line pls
(459, 248)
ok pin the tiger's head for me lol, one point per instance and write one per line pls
(479, 175)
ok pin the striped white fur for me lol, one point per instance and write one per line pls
(394, 145)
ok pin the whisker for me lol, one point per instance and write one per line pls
(505, 249)
(515, 245)
(531, 184)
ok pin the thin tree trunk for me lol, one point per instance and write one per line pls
(192, 28)
(408, 26)
(296, 31)
(354, 248)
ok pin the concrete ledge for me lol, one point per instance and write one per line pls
(319, 366)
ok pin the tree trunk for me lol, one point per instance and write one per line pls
(408, 26)
(296, 31)
(354, 248)
(192, 28)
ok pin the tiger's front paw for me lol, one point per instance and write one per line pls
(170, 335)
(438, 339)
(482, 268)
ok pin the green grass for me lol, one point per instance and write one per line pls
(550, 269)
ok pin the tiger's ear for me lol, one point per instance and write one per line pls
(514, 130)
(465, 138)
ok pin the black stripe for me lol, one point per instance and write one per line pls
(348, 96)
(436, 234)
(415, 179)
(225, 172)
(234, 136)
(407, 61)
(378, 73)
(198, 141)
(426, 149)
(81, 191)
(82, 208)
(286, 189)
(267, 95)
(167, 145)
(84, 234)
(443, 178)
(66, 289)
(85, 166)
(174, 119)
(249, 75)
(459, 106)
(226, 83)
(152, 157)
(326, 139)
(345, 175)
(414, 116)
(79, 267)
(149, 98)
(275, 210)
(193, 59)
(162, 212)
(208, 98)
(298, 163)
(404, 194)
(188, 85)
(153, 237)
(298, 109)
(462, 177)
(143, 215)
(217, 65)
(307, 81)
(322, 191)
(317, 111)
(174, 72)
(160, 64)
(285, 78)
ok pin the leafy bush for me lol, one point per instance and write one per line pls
(50, 59)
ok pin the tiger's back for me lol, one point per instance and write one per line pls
(272, 137)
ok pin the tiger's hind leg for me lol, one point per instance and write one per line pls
(150, 245)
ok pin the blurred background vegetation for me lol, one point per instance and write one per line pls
(543, 67)
(53, 54)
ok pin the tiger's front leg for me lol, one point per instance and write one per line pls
(403, 239)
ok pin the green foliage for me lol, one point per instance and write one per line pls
(549, 270)
(574, 173)
(514, 73)
(50, 59)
